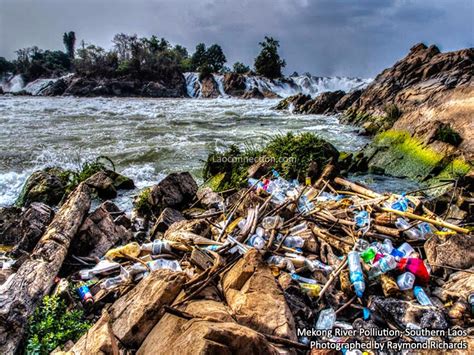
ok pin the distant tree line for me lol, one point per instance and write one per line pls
(131, 56)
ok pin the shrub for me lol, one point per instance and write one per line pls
(52, 325)
(240, 68)
(445, 133)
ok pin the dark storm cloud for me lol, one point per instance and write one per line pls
(325, 37)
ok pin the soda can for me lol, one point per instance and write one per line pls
(85, 294)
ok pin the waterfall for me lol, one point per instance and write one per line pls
(193, 85)
(219, 79)
(13, 83)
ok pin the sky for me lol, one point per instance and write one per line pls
(324, 37)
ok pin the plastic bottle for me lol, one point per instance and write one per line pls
(260, 232)
(298, 228)
(406, 281)
(130, 250)
(103, 267)
(314, 265)
(387, 246)
(411, 232)
(257, 184)
(361, 244)
(356, 275)
(299, 278)
(293, 242)
(368, 254)
(272, 222)
(401, 204)
(305, 205)
(362, 219)
(382, 266)
(406, 250)
(311, 289)
(113, 282)
(281, 262)
(157, 247)
(425, 230)
(256, 242)
(417, 267)
(421, 296)
(326, 319)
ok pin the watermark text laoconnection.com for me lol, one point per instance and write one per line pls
(252, 160)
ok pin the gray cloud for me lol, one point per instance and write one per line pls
(325, 37)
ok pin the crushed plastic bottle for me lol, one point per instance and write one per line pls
(401, 204)
(113, 282)
(425, 230)
(382, 266)
(256, 183)
(294, 242)
(406, 281)
(102, 268)
(272, 222)
(355, 272)
(299, 228)
(311, 289)
(326, 319)
(257, 242)
(130, 250)
(314, 265)
(421, 296)
(362, 219)
(157, 247)
(406, 250)
(411, 232)
(281, 262)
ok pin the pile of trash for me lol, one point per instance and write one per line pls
(282, 267)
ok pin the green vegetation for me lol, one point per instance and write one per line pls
(268, 62)
(34, 63)
(142, 201)
(52, 325)
(289, 154)
(5, 66)
(240, 68)
(445, 133)
(86, 170)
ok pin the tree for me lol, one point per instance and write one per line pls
(199, 57)
(69, 40)
(268, 63)
(240, 68)
(215, 58)
(6, 66)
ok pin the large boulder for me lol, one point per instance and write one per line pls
(254, 93)
(177, 190)
(255, 298)
(234, 84)
(47, 186)
(133, 315)
(165, 220)
(209, 87)
(323, 104)
(100, 231)
(214, 331)
(347, 100)
(457, 252)
(293, 103)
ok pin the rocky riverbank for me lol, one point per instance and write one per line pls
(421, 111)
(241, 269)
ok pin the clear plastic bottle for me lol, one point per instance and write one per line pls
(387, 246)
(298, 228)
(113, 282)
(314, 265)
(411, 232)
(103, 267)
(406, 249)
(361, 244)
(425, 230)
(257, 242)
(406, 281)
(421, 296)
(382, 266)
(257, 184)
(281, 262)
(272, 222)
(362, 219)
(305, 205)
(293, 242)
(326, 319)
(299, 278)
(355, 272)
(157, 247)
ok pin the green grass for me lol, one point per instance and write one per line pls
(52, 325)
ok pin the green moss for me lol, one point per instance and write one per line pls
(52, 325)
(88, 169)
(289, 154)
(142, 202)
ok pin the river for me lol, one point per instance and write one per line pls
(146, 138)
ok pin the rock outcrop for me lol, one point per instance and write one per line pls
(234, 84)
(209, 88)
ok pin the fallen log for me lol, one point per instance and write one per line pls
(35, 277)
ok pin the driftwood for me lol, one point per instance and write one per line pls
(35, 277)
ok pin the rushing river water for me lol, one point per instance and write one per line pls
(146, 138)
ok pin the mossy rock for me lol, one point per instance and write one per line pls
(142, 202)
(289, 154)
(48, 186)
